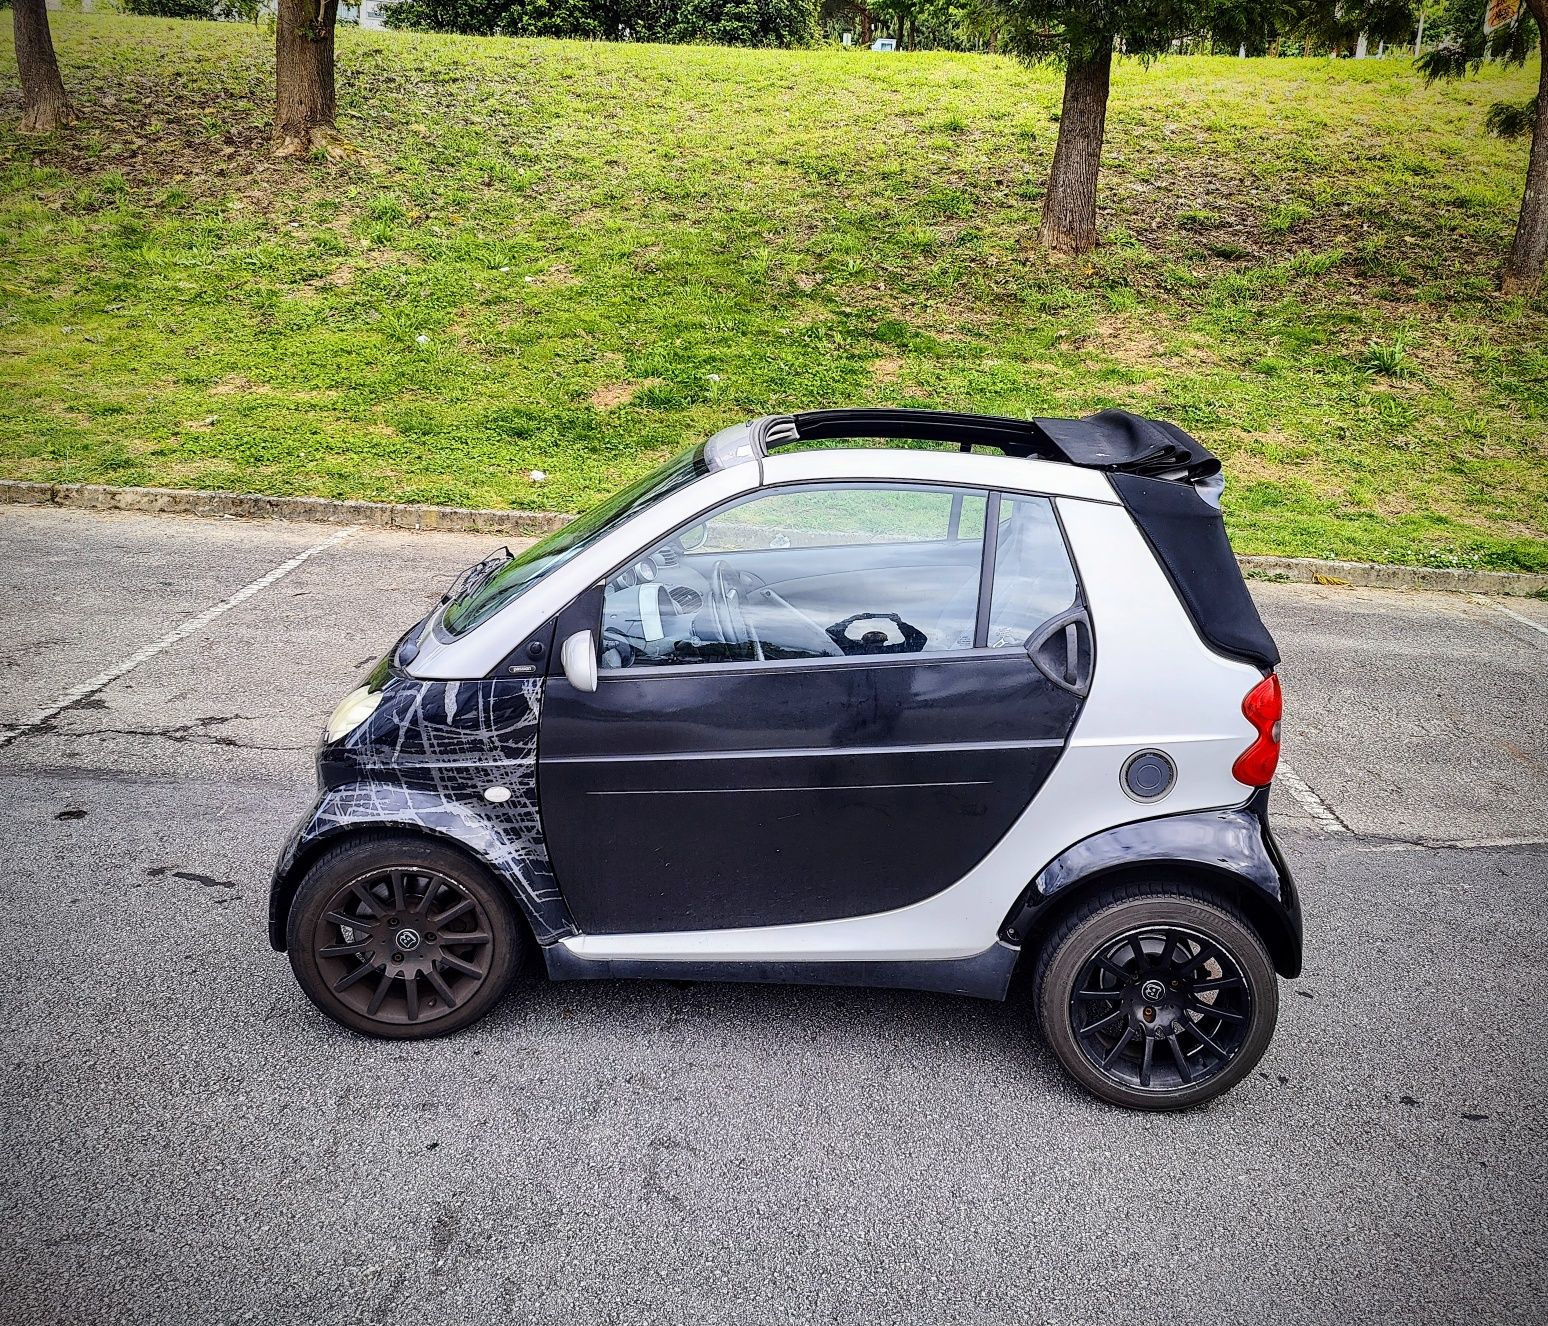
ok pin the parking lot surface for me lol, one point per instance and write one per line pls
(187, 1140)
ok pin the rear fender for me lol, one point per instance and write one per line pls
(1229, 851)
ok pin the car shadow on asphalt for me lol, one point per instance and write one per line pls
(859, 1022)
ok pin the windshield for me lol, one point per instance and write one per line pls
(486, 597)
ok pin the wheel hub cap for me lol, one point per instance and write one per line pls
(403, 945)
(1160, 1008)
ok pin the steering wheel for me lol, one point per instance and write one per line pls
(911, 639)
(726, 610)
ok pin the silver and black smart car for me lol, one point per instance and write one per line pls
(991, 698)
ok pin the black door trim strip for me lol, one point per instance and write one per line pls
(816, 787)
(809, 752)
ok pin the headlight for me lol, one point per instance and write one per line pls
(353, 710)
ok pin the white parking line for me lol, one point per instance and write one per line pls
(1323, 814)
(1516, 616)
(180, 632)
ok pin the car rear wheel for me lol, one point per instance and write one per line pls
(1156, 998)
(403, 937)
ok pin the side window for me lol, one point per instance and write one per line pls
(819, 572)
(1033, 578)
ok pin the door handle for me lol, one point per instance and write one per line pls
(1061, 650)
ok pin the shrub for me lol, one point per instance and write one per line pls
(170, 8)
(241, 9)
(715, 22)
(509, 18)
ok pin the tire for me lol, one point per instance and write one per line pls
(437, 944)
(1156, 997)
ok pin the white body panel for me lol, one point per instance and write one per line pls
(1155, 685)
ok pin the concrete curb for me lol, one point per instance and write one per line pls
(1374, 575)
(393, 515)
(323, 510)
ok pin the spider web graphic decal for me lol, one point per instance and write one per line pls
(427, 756)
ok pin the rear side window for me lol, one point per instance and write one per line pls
(1033, 578)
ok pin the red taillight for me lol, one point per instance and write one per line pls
(1263, 707)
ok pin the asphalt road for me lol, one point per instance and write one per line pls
(186, 1140)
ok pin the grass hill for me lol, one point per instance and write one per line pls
(574, 257)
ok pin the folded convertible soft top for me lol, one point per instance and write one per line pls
(1111, 440)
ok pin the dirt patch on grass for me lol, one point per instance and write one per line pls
(337, 278)
(1151, 344)
(1246, 467)
(159, 134)
(1118, 336)
(234, 384)
(886, 370)
(616, 394)
(561, 273)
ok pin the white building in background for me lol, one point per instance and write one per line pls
(369, 14)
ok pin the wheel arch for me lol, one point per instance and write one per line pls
(1228, 853)
(307, 847)
(1281, 939)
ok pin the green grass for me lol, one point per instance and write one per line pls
(576, 257)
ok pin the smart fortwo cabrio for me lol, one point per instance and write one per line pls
(801, 707)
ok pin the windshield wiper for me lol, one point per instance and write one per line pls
(476, 576)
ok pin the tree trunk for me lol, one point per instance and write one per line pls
(304, 107)
(1069, 207)
(1524, 267)
(44, 104)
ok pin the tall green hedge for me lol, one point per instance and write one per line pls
(716, 22)
(170, 8)
(243, 9)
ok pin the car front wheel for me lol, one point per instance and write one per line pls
(403, 937)
(1156, 998)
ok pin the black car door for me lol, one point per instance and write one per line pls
(811, 707)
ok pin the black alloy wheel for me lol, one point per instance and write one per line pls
(1160, 1008)
(1157, 999)
(402, 938)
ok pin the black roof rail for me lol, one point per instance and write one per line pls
(1111, 440)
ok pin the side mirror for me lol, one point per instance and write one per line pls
(578, 655)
